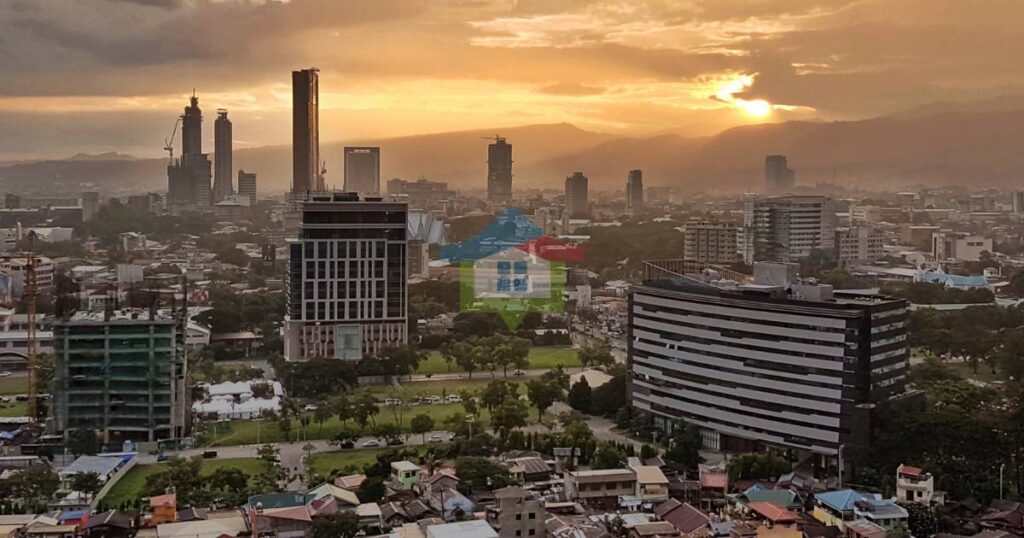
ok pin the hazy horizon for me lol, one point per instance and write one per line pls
(112, 75)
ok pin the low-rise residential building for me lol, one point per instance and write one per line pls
(600, 488)
(913, 485)
(405, 474)
(837, 508)
(517, 514)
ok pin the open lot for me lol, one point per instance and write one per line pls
(14, 409)
(245, 432)
(130, 486)
(17, 385)
(344, 460)
(540, 357)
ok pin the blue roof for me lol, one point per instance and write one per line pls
(71, 514)
(843, 500)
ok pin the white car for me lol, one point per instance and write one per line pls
(433, 400)
(5, 373)
(372, 443)
(436, 438)
(309, 407)
(392, 401)
(454, 398)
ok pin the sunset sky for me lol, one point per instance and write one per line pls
(106, 75)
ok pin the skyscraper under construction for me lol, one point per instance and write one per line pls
(188, 177)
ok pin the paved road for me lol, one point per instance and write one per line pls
(455, 376)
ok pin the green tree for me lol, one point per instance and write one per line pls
(579, 396)
(497, 393)
(542, 395)
(609, 457)
(422, 424)
(182, 475)
(463, 354)
(684, 447)
(88, 483)
(481, 474)
(509, 416)
(755, 466)
(84, 442)
(371, 490)
(557, 376)
(322, 414)
(365, 409)
(338, 525)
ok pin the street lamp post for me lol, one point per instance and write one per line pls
(1002, 467)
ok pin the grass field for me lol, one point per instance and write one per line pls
(540, 357)
(130, 486)
(19, 385)
(440, 387)
(14, 409)
(343, 460)
(244, 432)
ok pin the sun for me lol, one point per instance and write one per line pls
(757, 108)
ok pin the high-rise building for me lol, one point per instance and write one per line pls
(307, 173)
(635, 190)
(793, 228)
(711, 243)
(188, 177)
(120, 373)
(778, 176)
(247, 186)
(777, 363)
(362, 170)
(90, 205)
(347, 277)
(222, 168)
(499, 171)
(577, 201)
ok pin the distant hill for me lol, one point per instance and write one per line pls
(979, 145)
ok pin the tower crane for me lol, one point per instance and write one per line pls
(169, 141)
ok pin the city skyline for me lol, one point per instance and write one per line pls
(641, 68)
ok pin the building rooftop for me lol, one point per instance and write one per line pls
(121, 315)
(101, 465)
(464, 529)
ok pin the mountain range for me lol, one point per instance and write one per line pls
(939, 144)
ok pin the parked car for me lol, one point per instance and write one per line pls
(5, 373)
(519, 373)
(392, 401)
(163, 457)
(209, 454)
(309, 407)
(395, 442)
(372, 443)
(436, 438)
(454, 398)
(433, 400)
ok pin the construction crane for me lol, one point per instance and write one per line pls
(30, 293)
(169, 141)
